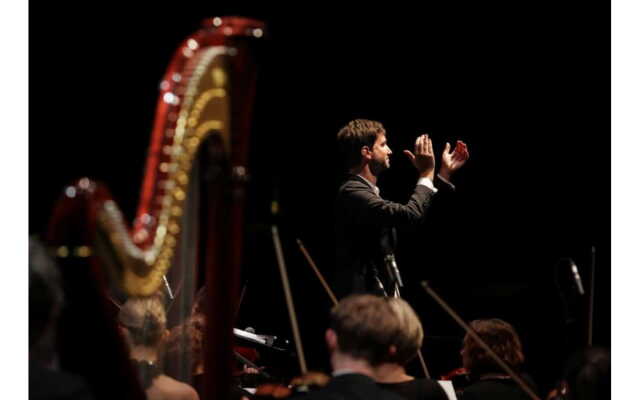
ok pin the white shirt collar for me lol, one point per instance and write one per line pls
(343, 371)
(374, 187)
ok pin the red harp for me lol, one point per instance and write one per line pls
(189, 228)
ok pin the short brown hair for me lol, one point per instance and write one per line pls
(501, 337)
(366, 326)
(353, 136)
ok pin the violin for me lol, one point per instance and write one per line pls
(305, 383)
(458, 372)
(460, 378)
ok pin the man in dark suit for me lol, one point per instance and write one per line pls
(362, 334)
(365, 223)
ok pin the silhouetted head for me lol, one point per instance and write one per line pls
(375, 329)
(588, 375)
(501, 337)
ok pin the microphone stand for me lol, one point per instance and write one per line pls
(591, 295)
(334, 300)
(394, 274)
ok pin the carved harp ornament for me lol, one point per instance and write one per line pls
(207, 90)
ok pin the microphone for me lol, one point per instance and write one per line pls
(576, 277)
(390, 260)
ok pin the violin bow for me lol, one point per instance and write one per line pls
(327, 289)
(523, 385)
(591, 295)
(334, 300)
(287, 292)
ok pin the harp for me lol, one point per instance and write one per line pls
(188, 229)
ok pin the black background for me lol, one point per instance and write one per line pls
(525, 85)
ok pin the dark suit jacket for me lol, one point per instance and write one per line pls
(48, 384)
(417, 389)
(365, 233)
(498, 389)
(352, 387)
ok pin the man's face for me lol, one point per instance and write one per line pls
(380, 155)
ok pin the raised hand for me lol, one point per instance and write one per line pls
(424, 159)
(453, 160)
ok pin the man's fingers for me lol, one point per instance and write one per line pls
(410, 155)
(425, 144)
(447, 147)
(461, 150)
(465, 151)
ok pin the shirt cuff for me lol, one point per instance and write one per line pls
(428, 183)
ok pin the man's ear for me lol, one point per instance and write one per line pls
(331, 339)
(365, 152)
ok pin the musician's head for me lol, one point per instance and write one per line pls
(363, 142)
(186, 341)
(144, 321)
(374, 329)
(501, 337)
(587, 375)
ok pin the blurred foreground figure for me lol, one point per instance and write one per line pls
(144, 323)
(587, 376)
(488, 380)
(46, 297)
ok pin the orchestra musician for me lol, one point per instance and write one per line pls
(186, 341)
(586, 376)
(391, 373)
(144, 326)
(488, 379)
(363, 334)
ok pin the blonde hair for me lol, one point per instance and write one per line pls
(145, 319)
(367, 326)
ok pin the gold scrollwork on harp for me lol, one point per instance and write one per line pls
(204, 109)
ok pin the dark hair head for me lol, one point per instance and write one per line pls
(588, 375)
(200, 302)
(186, 342)
(501, 337)
(353, 136)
